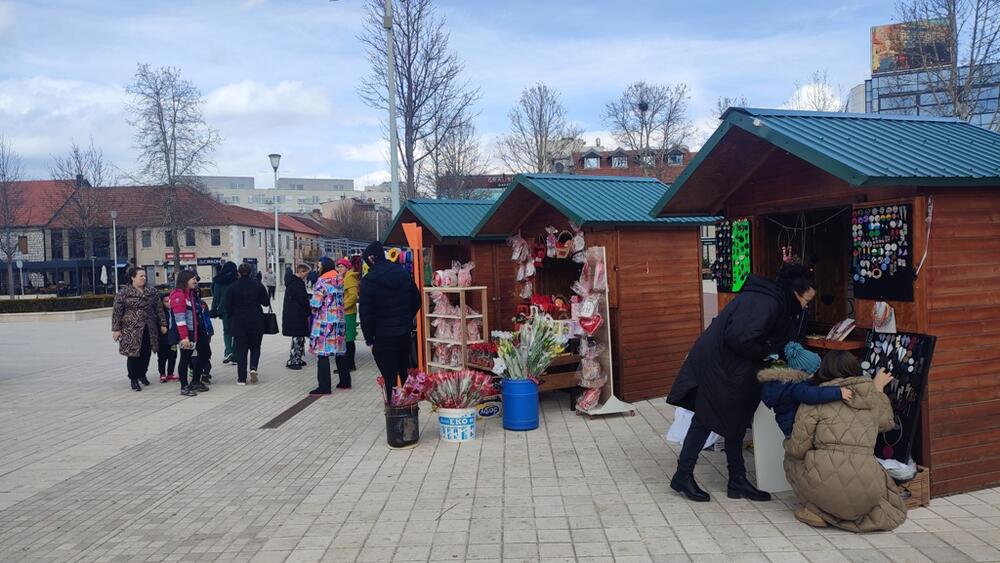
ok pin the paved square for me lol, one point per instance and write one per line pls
(91, 471)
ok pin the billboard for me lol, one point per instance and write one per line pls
(902, 47)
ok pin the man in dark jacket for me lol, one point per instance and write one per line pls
(718, 381)
(295, 315)
(389, 301)
(220, 286)
(244, 301)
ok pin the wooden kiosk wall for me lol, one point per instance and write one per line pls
(956, 298)
(654, 294)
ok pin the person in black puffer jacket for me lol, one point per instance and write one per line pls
(388, 303)
(718, 380)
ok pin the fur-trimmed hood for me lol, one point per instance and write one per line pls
(782, 375)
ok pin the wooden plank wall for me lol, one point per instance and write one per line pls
(963, 311)
(659, 308)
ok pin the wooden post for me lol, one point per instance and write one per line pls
(415, 240)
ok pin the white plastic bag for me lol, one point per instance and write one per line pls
(682, 423)
(898, 470)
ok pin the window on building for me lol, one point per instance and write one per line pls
(168, 238)
(22, 244)
(243, 237)
(189, 239)
(675, 159)
(147, 239)
(592, 162)
(647, 160)
(315, 199)
(619, 162)
(560, 167)
(288, 242)
(260, 239)
(57, 245)
(216, 237)
(235, 199)
(233, 185)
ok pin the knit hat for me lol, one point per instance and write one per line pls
(344, 262)
(374, 251)
(801, 359)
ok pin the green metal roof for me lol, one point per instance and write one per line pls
(867, 149)
(446, 218)
(598, 200)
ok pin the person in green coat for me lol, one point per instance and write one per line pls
(352, 283)
(220, 286)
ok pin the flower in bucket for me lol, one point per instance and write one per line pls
(459, 389)
(410, 393)
(527, 353)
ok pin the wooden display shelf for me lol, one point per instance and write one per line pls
(454, 342)
(442, 366)
(454, 317)
(825, 344)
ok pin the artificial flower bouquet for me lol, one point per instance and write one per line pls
(459, 389)
(528, 352)
(409, 393)
(481, 354)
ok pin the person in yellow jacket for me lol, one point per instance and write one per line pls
(352, 283)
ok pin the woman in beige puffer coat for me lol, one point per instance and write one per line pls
(830, 460)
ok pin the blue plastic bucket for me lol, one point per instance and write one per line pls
(457, 425)
(520, 404)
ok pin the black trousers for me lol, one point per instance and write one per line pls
(166, 360)
(270, 290)
(392, 356)
(249, 343)
(185, 365)
(352, 349)
(138, 366)
(694, 442)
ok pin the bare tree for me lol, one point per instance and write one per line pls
(817, 94)
(957, 64)
(174, 141)
(354, 220)
(431, 96)
(650, 119)
(726, 102)
(13, 208)
(458, 156)
(539, 131)
(85, 170)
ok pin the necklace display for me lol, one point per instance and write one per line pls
(732, 263)
(907, 357)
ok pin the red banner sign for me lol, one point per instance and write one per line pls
(184, 256)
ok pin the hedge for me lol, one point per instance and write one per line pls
(57, 304)
(65, 303)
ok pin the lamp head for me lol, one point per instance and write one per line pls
(275, 160)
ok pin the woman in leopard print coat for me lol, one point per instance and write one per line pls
(137, 315)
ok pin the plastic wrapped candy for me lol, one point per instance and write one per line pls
(465, 274)
(589, 374)
(550, 241)
(442, 305)
(446, 278)
(600, 280)
(585, 285)
(441, 354)
(520, 252)
(455, 360)
(588, 399)
(527, 290)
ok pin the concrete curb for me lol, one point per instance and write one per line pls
(56, 316)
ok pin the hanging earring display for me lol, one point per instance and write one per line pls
(881, 265)
(907, 357)
(732, 250)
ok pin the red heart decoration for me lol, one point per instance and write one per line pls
(591, 324)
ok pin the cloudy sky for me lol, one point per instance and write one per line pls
(282, 75)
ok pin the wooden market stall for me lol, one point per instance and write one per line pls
(885, 209)
(653, 267)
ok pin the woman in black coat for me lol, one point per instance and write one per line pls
(295, 315)
(718, 381)
(246, 320)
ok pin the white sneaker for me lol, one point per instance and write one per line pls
(253, 376)
(241, 383)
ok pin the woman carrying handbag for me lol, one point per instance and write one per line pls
(248, 323)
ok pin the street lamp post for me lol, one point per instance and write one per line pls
(391, 79)
(19, 262)
(275, 160)
(114, 244)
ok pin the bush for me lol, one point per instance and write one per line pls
(57, 304)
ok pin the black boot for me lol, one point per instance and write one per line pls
(740, 487)
(686, 485)
(143, 380)
(135, 385)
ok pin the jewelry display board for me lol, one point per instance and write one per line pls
(732, 248)
(907, 357)
(882, 261)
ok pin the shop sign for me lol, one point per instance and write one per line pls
(208, 261)
(184, 256)
(250, 261)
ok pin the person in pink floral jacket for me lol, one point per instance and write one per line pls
(327, 337)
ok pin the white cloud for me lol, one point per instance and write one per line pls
(254, 3)
(372, 178)
(250, 98)
(815, 96)
(377, 151)
(6, 16)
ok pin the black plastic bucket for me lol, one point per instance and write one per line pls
(402, 426)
